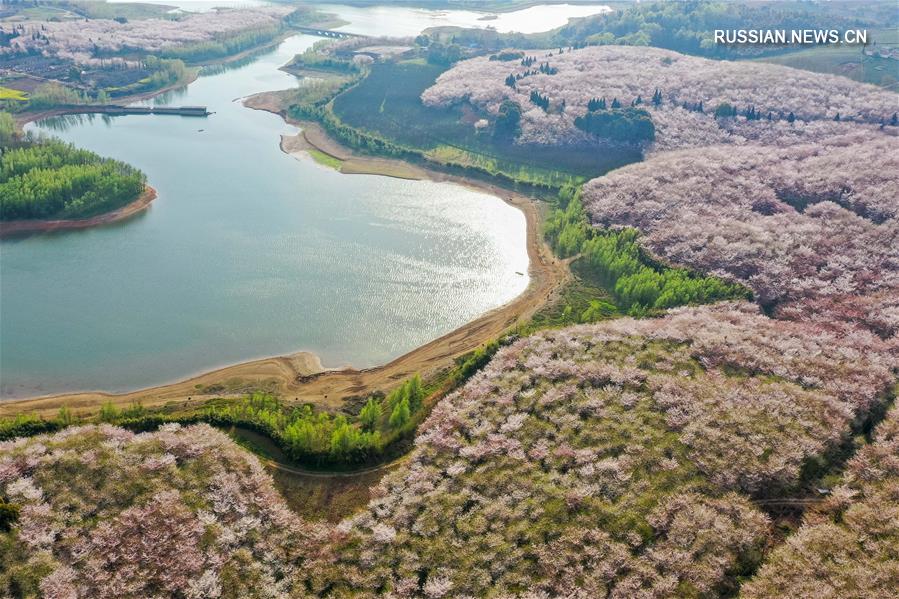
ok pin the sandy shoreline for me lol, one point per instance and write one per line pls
(300, 377)
(20, 227)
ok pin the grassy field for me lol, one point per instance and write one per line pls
(325, 159)
(128, 10)
(65, 11)
(582, 300)
(12, 94)
(848, 61)
(387, 104)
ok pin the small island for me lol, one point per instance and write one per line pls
(51, 185)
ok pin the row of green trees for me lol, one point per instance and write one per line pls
(322, 438)
(52, 179)
(226, 45)
(639, 284)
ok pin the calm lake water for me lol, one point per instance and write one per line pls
(399, 21)
(246, 253)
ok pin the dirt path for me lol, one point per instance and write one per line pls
(17, 227)
(301, 378)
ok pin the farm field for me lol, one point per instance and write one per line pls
(848, 61)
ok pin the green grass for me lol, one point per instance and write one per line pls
(387, 103)
(847, 61)
(325, 159)
(41, 13)
(582, 300)
(128, 10)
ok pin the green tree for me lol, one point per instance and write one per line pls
(400, 415)
(65, 416)
(508, 121)
(108, 412)
(370, 414)
(7, 129)
(415, 393)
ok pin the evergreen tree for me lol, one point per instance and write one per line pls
(65, 416)
(616, 103)
(108, 412)
(400, 414)
(415, 393)
(370, 414)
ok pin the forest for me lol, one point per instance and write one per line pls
(688, 26)
(811, 229)
(51, 179)
(591, 458)
(685, 90)
(639, 284)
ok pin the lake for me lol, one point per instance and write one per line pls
(246, 253)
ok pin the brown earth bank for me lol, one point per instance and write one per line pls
(22, 227)
(300, 377)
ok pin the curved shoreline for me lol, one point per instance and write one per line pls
(21, 227)
(299, 377)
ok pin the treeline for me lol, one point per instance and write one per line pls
(7, 129)
(638, 283)
(379, 430)
(307, 436)
(351, 136)
(52, 179)
(469, 161)
(312, 59)
(164, 72)
(324, 439)
(688, 27)
(226, 45)
(631, 125)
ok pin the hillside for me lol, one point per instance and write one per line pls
(105, 513)
(615, 459)
(622, 458)
(575, 76)
(83, 40)
(722, 423)
(812, 230)
(849, 547)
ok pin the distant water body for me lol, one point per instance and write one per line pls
(246, 253)
(389, 20)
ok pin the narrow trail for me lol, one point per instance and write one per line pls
(333, 474)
